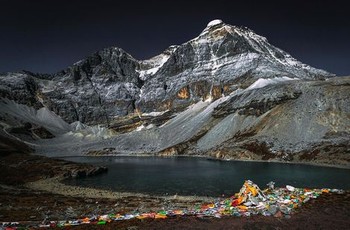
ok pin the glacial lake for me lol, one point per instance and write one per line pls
(203, 177)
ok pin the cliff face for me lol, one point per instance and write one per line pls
(226, 93)
(220, 60)
(111, 83)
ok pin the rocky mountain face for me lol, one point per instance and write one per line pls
(226, 93)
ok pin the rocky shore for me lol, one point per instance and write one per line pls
(31, 190)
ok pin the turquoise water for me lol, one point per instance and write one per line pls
(202, 177)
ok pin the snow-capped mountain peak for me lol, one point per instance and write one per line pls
(215, 22)
(111, 83)
(226, 89)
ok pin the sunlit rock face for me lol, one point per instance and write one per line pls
(226, 93)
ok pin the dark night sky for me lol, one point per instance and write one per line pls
(49, 35)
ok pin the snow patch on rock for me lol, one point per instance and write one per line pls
(155, 63)
(154, 114)
(261, 82)
(214, 22)
(143, 127)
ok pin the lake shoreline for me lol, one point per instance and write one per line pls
(34, 194)
(56, 185)
(213, 159)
